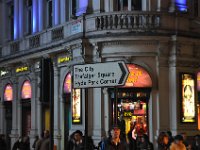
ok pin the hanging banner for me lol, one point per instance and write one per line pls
(188, 97)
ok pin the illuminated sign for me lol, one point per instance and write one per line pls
(21, 69)
(3, 73)
(188, 98)
(76, 106)
(64, 59)
(26, 92)
(8, 93)
(67, 84)
(138, 77)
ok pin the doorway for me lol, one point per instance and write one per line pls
(132, 107)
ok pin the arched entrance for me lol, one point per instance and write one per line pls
(129, 104)
(8, 98)
(26, 95)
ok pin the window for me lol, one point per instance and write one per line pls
(49, 13)
(28, 9)
(10, 7)
(196, 7)
(123, 5)
(181, 5)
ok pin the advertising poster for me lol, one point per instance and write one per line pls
(188, 98)
(76, 106)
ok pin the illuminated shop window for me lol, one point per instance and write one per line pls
(26, 92)
(67, 84)
(8, 93)
(188, 98)
(181, 5)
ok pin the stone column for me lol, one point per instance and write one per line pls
(15, 116)
(21, 19)
(57, 134)
(35, 16)
(97, 6)
(2, 117)
(63, 11)
(97, 114)
(56, 14)
(106, 111)
(129, 5)
(41, 15)
(34, 99)
(16, 19)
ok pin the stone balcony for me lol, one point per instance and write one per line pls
(101, 24)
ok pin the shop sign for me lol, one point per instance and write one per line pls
(76, 27)
(127, 114)
(3, 73)
(188, 97)
(100, 75)
(64, 59)
(21, 69)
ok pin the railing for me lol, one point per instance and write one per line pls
(57, 34)
(127, 21)
(34, 41)
(14, 47)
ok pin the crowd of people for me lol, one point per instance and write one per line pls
(115, 141)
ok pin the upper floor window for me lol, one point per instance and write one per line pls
(10, 7)
(28, 16)
(124, 5)
(49, 13)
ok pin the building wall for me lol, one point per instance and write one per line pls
(163, 43)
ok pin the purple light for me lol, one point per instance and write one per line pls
(56, 9)
(83, 3)
(182, 5)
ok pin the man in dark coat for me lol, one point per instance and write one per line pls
(115, 143)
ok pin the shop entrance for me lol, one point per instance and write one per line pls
(130, 103)
(132, 109)
(26, 117)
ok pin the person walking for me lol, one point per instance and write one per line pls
(178, 143)
(44, 143)
(163, 141)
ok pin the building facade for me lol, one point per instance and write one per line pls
(158, 41)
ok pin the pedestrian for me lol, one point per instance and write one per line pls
(3, 144)
(144, 143)
(17, 143)
(196, 142)
(44, 142)
(34, 143)
(25, 143)
(163, 141)
(131, 137)
(115, 143)
(178, 143)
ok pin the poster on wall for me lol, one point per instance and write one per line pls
(188, 97)
(76, 106)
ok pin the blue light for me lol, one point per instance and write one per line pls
(181, 5)
(34, 25)
(56, 9)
